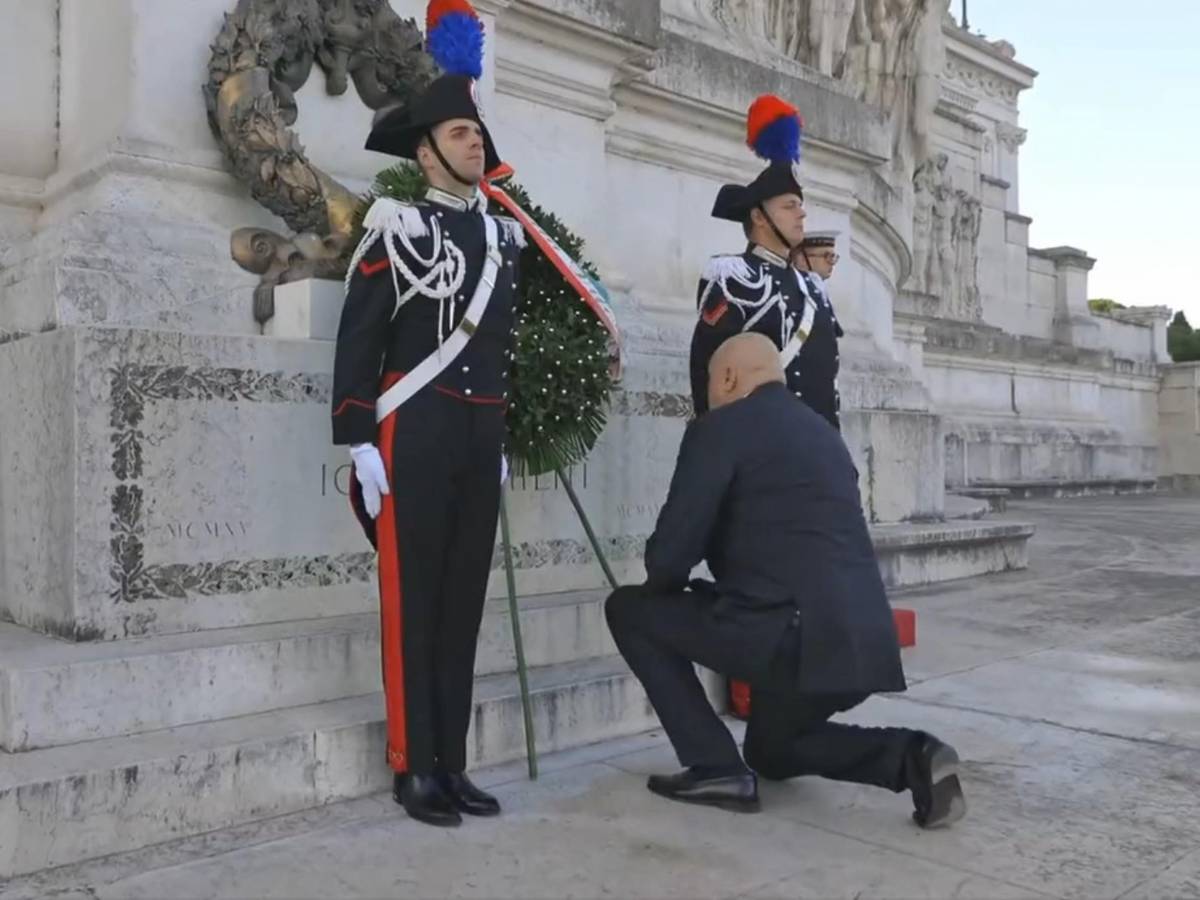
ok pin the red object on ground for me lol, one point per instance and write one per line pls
(739, 699)
(906, 626)
(906, 631)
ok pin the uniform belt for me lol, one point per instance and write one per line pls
(434, 364)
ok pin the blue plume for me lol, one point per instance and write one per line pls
(456, 44)
(779, 141)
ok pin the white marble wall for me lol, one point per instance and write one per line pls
(1038, 387)
(156, 482)
(28, 80)
(38, 481)
(1179, 417)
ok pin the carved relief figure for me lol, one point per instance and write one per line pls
(829, 26)
(941, 280)
(788, 27)
(968, 218)
(946, 225)
(890, 51)
(925, 183)
(929, 54)
(753, 19)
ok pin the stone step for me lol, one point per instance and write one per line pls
(913, 554)
(996, 497)
(959, 508)
(1179, 484)
(65, 804)
(1058, 489)
(60, 693)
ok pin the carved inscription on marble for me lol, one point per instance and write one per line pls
(134, 387)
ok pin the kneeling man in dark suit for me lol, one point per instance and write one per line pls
(764, 490)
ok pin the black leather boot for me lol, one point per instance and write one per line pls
(466, 797)
(931, 773)
(424, 800)
(733, 790)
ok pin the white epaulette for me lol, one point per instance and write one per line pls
(726, 268)
(438, 276)
(386, 216)
(512, 229)
(395, 216)
(722, 268)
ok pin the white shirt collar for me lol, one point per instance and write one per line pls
(768, 255)
(477, 203)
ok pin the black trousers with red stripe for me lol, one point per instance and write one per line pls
(435, 536)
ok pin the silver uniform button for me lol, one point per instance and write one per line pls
(467, 392)
(466, 369)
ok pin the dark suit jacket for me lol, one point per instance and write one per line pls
(764, 490)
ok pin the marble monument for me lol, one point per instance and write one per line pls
(188, 636)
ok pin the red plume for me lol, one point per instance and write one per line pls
(773, 128)
(439, 8)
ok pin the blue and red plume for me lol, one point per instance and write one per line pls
(454, 37)
(773, 129)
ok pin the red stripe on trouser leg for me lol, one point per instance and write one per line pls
(391, 612)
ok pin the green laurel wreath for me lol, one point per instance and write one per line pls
(561, 382)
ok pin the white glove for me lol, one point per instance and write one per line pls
(503, 469)
(371, 475)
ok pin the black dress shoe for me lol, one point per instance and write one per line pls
(734, 791)
(931, 770)
(424, 800)
(466, 797)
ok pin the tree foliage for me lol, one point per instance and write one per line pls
(1104, 305)
(1183, 342)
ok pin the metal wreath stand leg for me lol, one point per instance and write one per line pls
(514, 613)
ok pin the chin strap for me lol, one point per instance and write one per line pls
(437, 151)
(775, 228)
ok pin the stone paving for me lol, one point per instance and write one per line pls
(1072, 691)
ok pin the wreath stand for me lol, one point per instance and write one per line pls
(514, 613)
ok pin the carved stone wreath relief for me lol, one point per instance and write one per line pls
(264, 53)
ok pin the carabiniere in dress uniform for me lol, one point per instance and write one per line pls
(760, 290)
(419, 393)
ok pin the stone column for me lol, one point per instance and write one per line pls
(1156, 318)
(1073, 321)
(1179, 426)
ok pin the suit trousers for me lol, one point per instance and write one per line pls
(435, 535)
(662, 636)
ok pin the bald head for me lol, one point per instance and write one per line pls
(744, 362)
